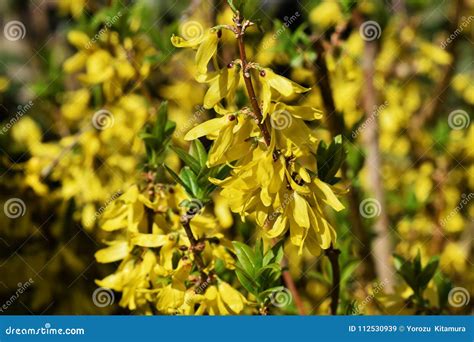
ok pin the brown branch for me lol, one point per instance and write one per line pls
(336, 126)
(248, 80)
(290, 285)
(333, 255)
(196, 246)
(439, 204)
(382, 246)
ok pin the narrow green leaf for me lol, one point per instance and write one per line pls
(187, 159)
(189, 177)
(246, 282)
(178, 180)
(246, 256)
(428, 272)
(199, 152)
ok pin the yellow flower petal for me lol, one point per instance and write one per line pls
(113, 253)
(207, 127)
(149, 240)
(327, 195)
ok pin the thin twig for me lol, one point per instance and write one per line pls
(336, 126)
(333, 256)
(290, 284)
(196, 246)
(382, 246)
(248, 80)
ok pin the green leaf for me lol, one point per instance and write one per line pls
(329, 159)
(398, 261)
(443, 286)
(161, 119)
(178, 180)
(189, 178)
(417, 263)
(278, 251)
(199, 152)
(246, 282)
(428, 272)
(187, 159)
(268, 258)
(258, 253)
(273, 266)
(245, 256)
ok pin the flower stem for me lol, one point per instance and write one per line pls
(333, 255)
(290, 284)
(196, 246)
(248, 80)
